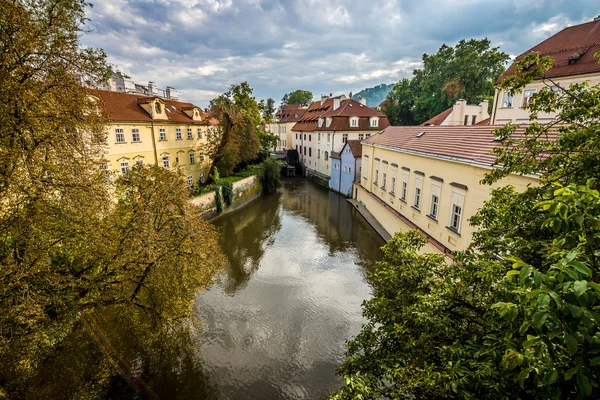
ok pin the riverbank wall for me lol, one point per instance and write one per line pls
(244, 191)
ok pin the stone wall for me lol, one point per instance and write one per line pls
(244, 191)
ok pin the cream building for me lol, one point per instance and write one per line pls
(151, 130)
(572, 50)
(461, 113)
(427, 178)
(285, 119)
(327, 125)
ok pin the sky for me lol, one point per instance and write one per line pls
(202, 47)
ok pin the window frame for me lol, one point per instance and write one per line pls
(162, 134)
(134, 132)
(120, 135)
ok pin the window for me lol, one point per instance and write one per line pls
(375, 122)
(190, 180)
(466, 120)
(296, 136)
(365, 167)
(310, 151)
(367, 135)
(328, 121)
(404, 186)
(328, 137)
(393, 187)
(162, 134)
(344, 138)
(354, 122)
(418, 192)
(319, 137)
(507, 100)
(474, 119)
(124, 167)
(157, 107)
(384, 180)
(165, 161)
(435, 200)
(192, 157)
(201, 177)
(201, 157)
(336, 167)
(135, 135)
(309, 137)
(361, 136)
(199, 132)
(189, 134)
(178, 133)
(376, 173)
(120, 135)
(326, 156)
(384, 169)
(320, 122)
(527, 96)
(304, 150)
(318, 153)
(458, 200)
(305, 137)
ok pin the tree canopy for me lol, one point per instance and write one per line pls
(267, 109)
(374, 95)
(76, 242)
(517, 315)
(303, 97)
(467, 71)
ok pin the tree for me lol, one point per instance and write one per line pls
(518, 314)
(400, 104)
(270, 175)
(303, 97)
(237, 140)
(467, 71)
(267, 109)
(70, 249)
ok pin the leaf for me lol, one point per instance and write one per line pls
(572, 273)
(525, 271)
(550, 377)
(580, 287)
(524, 327)
(556, 299)
(581, 267)
(539, 318)
(584, 384)
(594, 286)
(543, 300)
(512, 272)
(571, 343)
(595, 361)
(569, 374)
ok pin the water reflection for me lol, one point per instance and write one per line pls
(276, 322)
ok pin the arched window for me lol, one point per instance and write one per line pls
(326, 156)
(157, 107)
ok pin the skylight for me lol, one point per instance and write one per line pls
(420, 134)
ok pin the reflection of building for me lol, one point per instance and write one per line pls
(428, 178)
(152, 130)
(327, 125)
(461, 113)
(345, 167)
(285, 119)
(572, 51)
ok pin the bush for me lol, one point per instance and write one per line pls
(270, 175)
(227, 189)
(218, 200)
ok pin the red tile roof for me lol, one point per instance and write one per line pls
(125, 107)
(572, 49)
(348, 108)
(438, 119)
(290, 112)
(355, 147)
(468, 143)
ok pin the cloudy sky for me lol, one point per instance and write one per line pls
(201, 47)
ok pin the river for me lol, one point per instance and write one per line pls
(276, 322)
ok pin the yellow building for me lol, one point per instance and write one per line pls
(285, 118)
(427, 178)
(572, 51)
(151, 130)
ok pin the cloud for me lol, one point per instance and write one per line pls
(201, 47)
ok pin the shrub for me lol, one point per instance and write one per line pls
(270, 175)
(218, 200)
(227, 189)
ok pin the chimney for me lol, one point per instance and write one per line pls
(336, 103)
(362, 100)
(324, 98)
(171, 93)
(151, 88)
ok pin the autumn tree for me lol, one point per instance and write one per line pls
(76, 242)
(518, 314)
(467, 71)
(303, 97)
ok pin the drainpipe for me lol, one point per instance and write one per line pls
(340, 179)
(154, 144)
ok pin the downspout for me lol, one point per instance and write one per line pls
(340, 179)
(154, 144)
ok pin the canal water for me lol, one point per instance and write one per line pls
(276, 321)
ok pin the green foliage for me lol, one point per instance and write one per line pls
(518, 314)
(270, 176)
(267, 109)
(218, 199)
(227, 189)
(374, 95)
(268, 142)
(467, 71)
(216, 176)
(303, 97)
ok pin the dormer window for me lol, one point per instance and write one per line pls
(157, 107)
(328, 122)
(320, 122)
(354, 122)
(374, 122)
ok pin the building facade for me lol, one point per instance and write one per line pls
(427, 178)
(151, 130)
(346, 167)
(326, 127)
(285, 119)
(461, 113)
(572, 51)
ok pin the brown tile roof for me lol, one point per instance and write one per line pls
(290, 112)
(348, 108)
(467, 143)
(572, 49)
(125, 107)
(355, 147)
(484, 122)
(438, 119)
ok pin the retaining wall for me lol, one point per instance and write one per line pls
(244, 191)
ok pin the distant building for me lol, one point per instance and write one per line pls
(346, 167)
(461, 113)
(427, 178)
(151, 130)
(285, 118)
(119, 82)
(572, 50)
(327, 125)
